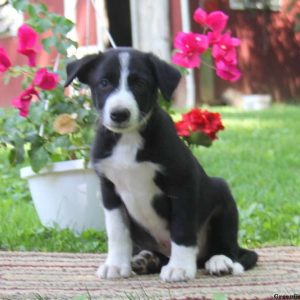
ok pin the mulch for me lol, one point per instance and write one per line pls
(36, 275)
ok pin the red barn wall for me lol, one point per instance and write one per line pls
(269, 55)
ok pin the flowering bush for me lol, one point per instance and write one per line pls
(190, 46)
(48, 126)
(198, 126)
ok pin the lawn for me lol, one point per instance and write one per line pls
(258, 154)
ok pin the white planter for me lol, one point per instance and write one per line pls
(256, 101)
(66, 195)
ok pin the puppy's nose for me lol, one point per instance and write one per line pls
(120, 115)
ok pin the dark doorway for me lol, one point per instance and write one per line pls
(119, 21)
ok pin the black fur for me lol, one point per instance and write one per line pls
(191, 199)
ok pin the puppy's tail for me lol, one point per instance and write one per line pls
(247, 258)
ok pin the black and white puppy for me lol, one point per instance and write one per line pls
(156, 196)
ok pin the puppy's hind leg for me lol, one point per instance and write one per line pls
(148, 262)
(223, 251)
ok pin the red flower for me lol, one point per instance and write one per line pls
(4, 60)
(22, 102)
(45, 79)
(195, 118)
(190, 46)
(213, 124)
(201, 122)
(28, 43)
(183, 128)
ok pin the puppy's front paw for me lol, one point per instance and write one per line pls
(106, 271)
(171, 273)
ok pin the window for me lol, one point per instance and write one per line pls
(273, 5)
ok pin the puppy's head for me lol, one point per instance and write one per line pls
(124, 84)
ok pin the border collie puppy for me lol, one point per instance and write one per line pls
(159, 203)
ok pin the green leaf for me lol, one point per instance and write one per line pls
(6, 79)
(61, 49)
(42, 8)
(38, 158)
(44, 24)
(19, 4)
(49, 42)
(32, 11)
(16, 155)
(35, 140)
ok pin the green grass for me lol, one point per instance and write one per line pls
(258, 154)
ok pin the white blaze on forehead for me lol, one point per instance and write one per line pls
(122, 98)
(124, 63)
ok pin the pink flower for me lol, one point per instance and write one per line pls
(217, 20)
(22, 102)
(200, 16)
(4, 60)
(225, 48)
(186, 60)
(28, 43)
(227, 71)
(45, 79)
(213, 37)
(191, 42)
(190, 46)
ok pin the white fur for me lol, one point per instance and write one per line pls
(118, 261)
(121, 98)
(182, 264)
(221, 264)
(134, 183)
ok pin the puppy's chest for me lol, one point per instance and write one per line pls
(134, 182)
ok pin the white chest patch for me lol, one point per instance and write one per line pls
(134, 182)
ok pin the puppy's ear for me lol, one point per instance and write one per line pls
(167, 76)
(80, 67)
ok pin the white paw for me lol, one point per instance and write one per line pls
(221, 264)
(171, 273)
(106, 271)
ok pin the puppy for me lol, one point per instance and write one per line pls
(158, 200)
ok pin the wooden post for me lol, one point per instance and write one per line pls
(151, 26)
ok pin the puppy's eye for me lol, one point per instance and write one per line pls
(137, 81)
(105, 84)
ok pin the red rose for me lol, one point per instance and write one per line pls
(45, 79)
(28, 43)
(4, 60)
(22, 102)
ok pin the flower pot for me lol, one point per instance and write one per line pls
(257, 101)
(67, 195)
